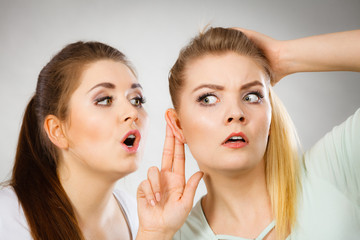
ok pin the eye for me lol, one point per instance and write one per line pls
(138, 101)
(208, 99)
(104, 101)
(254, 97)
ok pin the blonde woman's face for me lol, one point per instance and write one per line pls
(106, 120)
(225, 112)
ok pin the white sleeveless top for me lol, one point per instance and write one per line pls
(13, 224)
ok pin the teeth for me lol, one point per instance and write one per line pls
(129, 141)
(132, 136)
(235, 138)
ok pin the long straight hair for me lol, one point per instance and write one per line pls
(47, 208)
(281, 155)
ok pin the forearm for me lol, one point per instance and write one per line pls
(328, 52)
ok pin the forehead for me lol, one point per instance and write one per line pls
(107, 71)
(223, 69)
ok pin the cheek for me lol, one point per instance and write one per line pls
(200, 128)
(262, 128)
(143, 119)
(142, 125)
(86, 127)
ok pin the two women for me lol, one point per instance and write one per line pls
(82, 129)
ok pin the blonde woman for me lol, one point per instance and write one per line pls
(243, 140)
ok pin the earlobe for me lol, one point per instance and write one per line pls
(172, 120)
(54, 131)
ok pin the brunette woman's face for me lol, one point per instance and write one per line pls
(106, 119)
(225, 112)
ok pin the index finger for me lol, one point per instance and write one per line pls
(168, 151)
(179, 158)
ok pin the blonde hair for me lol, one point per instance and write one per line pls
(281, 156)
(282, 168)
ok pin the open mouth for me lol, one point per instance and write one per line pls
(236, 140)
(131, 141)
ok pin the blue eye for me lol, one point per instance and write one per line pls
(208, 99)
(254, 97)
(138, 101)
(104, 101)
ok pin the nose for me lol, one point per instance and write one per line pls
(130, 114)
(234, 115)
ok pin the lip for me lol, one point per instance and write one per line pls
(238, 144)
(135, 146)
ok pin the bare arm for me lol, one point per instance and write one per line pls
(328, 52)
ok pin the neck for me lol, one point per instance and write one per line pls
(242, 197)
(90, 193)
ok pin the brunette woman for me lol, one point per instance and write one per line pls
(82, 131)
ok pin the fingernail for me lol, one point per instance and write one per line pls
(157, 195)
(152, 203)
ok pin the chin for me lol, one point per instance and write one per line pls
(121, 173)
(234, 165)
(123, 167)
(131, 165)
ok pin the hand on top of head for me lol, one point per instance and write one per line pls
(272, 49)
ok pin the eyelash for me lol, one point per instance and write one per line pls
(141, 99)
(202, 97)
(138, 98)
(98, 100)
(257, 93)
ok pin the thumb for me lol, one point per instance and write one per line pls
(190, 189)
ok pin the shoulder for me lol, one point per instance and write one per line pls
(12, 220)
(342, 141)
(345, 135)
(335, 157)
(196, 226)
(9, 204)
(128, 204)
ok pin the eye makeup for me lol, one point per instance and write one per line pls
(249, 97)
(104, 101)
(138, 101)
(207, 99)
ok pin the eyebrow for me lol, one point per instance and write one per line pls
(211, 86)
(103, 84)
(136, 85)
(112, 86)
(251, 84)
(218, 87)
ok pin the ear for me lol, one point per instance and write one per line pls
(172, 120)
(53, 129)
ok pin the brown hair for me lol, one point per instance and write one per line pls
(281, 156)
(46, 205)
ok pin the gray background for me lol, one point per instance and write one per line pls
(151, 34)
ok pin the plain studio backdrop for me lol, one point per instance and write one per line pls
(151, 33)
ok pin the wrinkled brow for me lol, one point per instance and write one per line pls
(211, 86)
